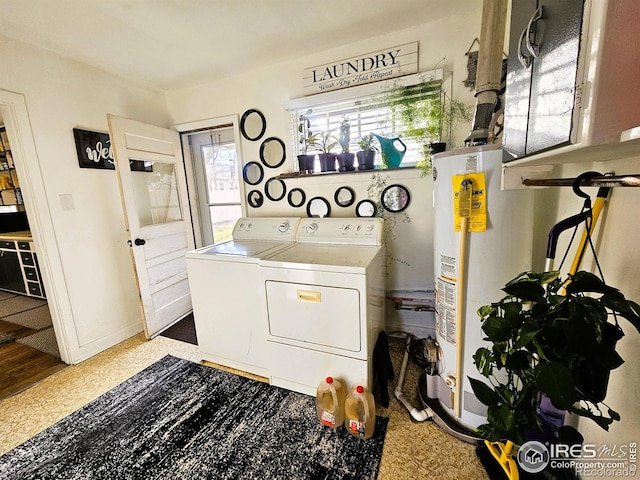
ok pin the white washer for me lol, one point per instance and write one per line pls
(325, 303)
(228, 306)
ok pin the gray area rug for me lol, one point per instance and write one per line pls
(35, 318)
(181, 420)
(19, 303)
(4, 295)
(44, 340)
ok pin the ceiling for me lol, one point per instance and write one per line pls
(172, 44)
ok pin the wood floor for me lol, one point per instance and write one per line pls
(22, 366)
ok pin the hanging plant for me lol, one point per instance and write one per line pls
(549, 340)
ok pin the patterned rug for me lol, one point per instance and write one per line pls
(35, 318)
(19, 303)
(181, 420)
(4, 295)
(43, 340)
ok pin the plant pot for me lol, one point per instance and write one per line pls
(305, 163)
(437, 147)
(327, 162)
(593, 373)
(345, 162)
(366, 159)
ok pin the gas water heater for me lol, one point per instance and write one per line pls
(471, 267)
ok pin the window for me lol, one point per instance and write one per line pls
(373, 108)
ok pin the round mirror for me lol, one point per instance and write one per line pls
(296, 197)
(255, 198)
(252, 173)
(275, 189)
(395, 198)
(345, 196)
(366, 208)
(253, 124)
(272, 153)
(318, 207)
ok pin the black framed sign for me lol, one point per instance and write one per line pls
(94, 149)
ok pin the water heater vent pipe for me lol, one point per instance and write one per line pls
(489, 72)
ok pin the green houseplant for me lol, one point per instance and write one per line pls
(554, 338)
(326, 142)
(427, 115)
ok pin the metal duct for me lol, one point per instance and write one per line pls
(494, 18)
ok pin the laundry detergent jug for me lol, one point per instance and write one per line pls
(330, 398)
(360, 413)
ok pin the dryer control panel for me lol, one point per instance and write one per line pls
(346, 231)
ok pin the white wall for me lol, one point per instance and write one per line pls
(616, 238)
(97, 306)
(441, 44)
(267, 89)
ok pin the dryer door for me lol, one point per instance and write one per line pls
(317, 315)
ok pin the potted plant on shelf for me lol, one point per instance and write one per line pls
(550, 341)
(427, 115)
(326, 143)
(366, 156)
(345, 158)
(306, 138)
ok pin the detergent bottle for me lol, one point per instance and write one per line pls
(330, 398)
(360, 413)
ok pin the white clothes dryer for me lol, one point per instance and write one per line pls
(325, 303)
(228, 307)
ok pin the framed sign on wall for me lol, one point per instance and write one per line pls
(94, 149)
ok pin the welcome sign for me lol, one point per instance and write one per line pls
(371, 67)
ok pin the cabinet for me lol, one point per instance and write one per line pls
(19, 270)
(541, 75)
(10, 193)
(10, 268)
(572, 90)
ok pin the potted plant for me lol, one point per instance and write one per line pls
(550, 341)
(345, 158)
(306, 138)
(326, 142)
(427, 114)
(366, 155)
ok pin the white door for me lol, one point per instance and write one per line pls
(154, 196)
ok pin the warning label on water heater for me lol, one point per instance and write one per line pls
(478, 214)
(446, 309)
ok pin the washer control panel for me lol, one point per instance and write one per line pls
(266, 228)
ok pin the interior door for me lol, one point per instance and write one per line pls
(154, 197)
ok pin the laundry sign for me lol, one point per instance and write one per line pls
(371, 67)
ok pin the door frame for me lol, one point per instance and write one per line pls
(194, 193)
(25, 157)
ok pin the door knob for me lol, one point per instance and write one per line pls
(139, 241)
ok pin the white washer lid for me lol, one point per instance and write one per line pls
(252, 248)
(338, 258)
